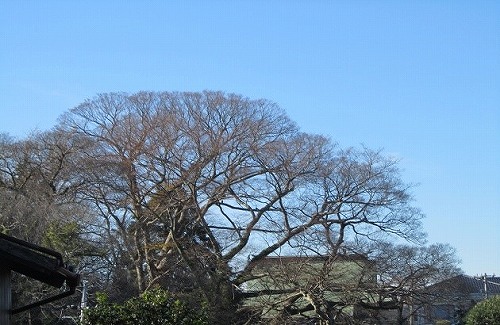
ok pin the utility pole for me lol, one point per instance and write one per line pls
(83, 303)
(485, 281)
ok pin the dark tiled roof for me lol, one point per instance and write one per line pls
(283, 260)
(469, 285)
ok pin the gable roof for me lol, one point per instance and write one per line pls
(466, 284)
(271, 261)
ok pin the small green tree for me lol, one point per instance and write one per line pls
(154, 307)
(487, 312)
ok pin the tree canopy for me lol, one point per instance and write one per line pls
(188, 191)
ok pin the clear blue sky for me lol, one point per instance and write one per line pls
(420, 79)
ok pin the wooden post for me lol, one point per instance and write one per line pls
(5, 296)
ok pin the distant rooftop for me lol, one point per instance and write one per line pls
(274, 260)
(469, 284)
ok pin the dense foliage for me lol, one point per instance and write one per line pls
(486, 312)
(154, 307)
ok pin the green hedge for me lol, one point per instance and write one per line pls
(155, 307)
(487, 312)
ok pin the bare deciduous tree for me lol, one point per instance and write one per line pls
(193, 191)
(404, 273)
(37, 204)
(211, 183)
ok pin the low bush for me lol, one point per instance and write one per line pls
(155, 307)
(487, 312)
